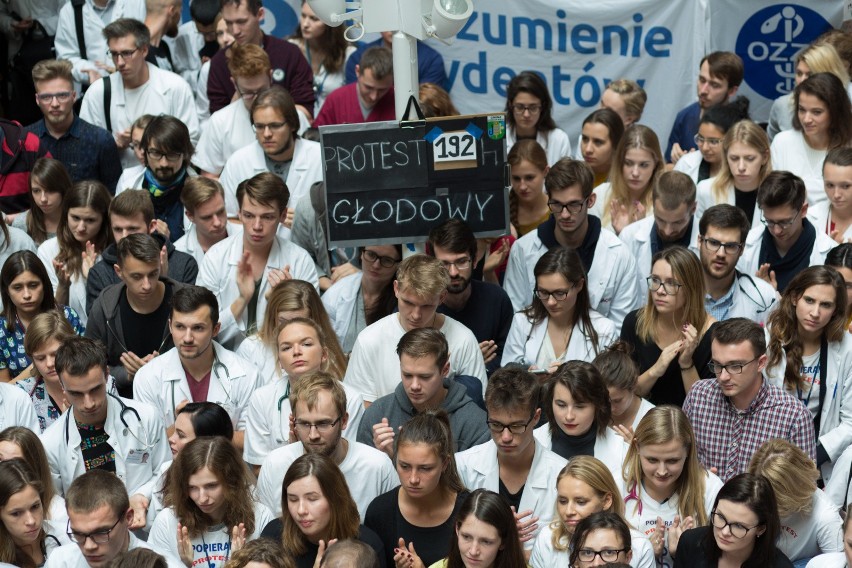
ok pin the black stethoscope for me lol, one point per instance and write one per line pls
(146, 443)
(763, 305)
(217, 364)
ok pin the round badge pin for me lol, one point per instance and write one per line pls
(278, 75)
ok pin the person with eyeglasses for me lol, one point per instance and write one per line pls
(99, 524)
(671, 334)
(733, 415)
(319, 419)
(559, 324)
(277, 148)
(788, 242)
(810, 356)
(529, 108)
(514, 463)
(167, 150)
(712, 128)
(483, 307)
(729, 293)
(612, 276)
(636, 165)
(210, 509)
(719, 76)
(137, 87)
(822, 121)
(671, 222)
(602, 537)
(86, 150)
(359, 300)
(745, 164)
(229, 129)
(834, 216)
(369, 99)
(420, 287)
(744, 527)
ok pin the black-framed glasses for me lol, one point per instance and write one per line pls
(738, 530)
(158, 155)
(386, 261)
(460, 264)
(699, 140)
(573, 207)
(671, 287)
(248, 95)
(272, 126)
(732, 368)
(780, 224)
(126, 54)
(515, 428)
(322, 426)
(713, 245)
(521, 109)
(558, 295)
(62, 97)
(98, 537)
(607, 554)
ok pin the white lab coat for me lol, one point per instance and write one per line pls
(162, 384)
(218, 273)
(790, 152)
(818, 215)
(838, 488)
(188, 243)
(167, 93)
(479, 469)
(16, 410)
(610, 448)
(61, 442)
(705, 199)
(835, 429)
(689, 164)
(637, 237)
(226, 131)
(339, 302)
(749, 261)
(47, 251)
(555, 143)
(249, 161)
(46, 12)
(67, 46)
(71, 556)
(545, 556)
(754, 298)
(185, 56)
(613, 280)
(525, 340)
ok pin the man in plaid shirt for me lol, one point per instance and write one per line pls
(739, 411)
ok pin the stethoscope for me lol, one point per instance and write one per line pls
(763, 305)
(217, 364)
(146, 443)
(281, 400)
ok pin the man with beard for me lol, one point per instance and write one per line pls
(730, 293)
(483, 307)
(319, 417)
(198, 369)
(167, 150)
(87, 151)
(671, 224)
(277, 149)
(162, 19)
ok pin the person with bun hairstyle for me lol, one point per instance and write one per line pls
(527, 200)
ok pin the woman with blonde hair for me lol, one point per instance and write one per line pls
(815, 58)
(527, 200)
(636, 165)
(584, 486)
(810, 522)
(810, 356)
(746, 163)
(317, 509)
(18, 442)
(667, 490)
(670, 335)
(712, 128)
(210, 511)
(302, 348)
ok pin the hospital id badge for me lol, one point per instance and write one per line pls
(137, 457)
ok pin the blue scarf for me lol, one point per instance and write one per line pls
(156, 188)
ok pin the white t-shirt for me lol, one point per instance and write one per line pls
(809, 391)
(805, 536)
(374, 365)
(212, 546)
(643, 516)
(545, 556)
(830, 560)
(16, 409)
(368, 472)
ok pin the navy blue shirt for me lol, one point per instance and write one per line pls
(86, 150)
(684, 129)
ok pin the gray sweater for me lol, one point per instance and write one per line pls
(467, 420)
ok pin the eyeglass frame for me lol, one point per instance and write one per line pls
(61, 97)
(521, 109)
(272, 126)
(366, 254)
(460, 264)
(248, 95)
(783, 225)
(171, 157)
(322, 427)
(699, 140)
(126, 54)
(489, 422)
(711, 366)
(714, 514)
(719, 244)
(650, 280)
(600, 553)
(554, 293)
(92, 535)
(573, 207)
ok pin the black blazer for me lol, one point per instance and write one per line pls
(691, 553)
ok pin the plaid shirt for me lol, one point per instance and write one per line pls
(727, 438)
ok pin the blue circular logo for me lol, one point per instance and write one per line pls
(280, 19)
(769, 41)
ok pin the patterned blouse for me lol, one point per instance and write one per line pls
(12, 353)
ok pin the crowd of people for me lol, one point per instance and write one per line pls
(652, 367)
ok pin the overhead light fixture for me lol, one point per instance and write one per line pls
(449, 17)
(331, 12)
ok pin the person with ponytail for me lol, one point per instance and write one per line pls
(527, 201)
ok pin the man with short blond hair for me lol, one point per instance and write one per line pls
(204, 203)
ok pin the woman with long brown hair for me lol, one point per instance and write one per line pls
(49, 183)
(527, 200)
